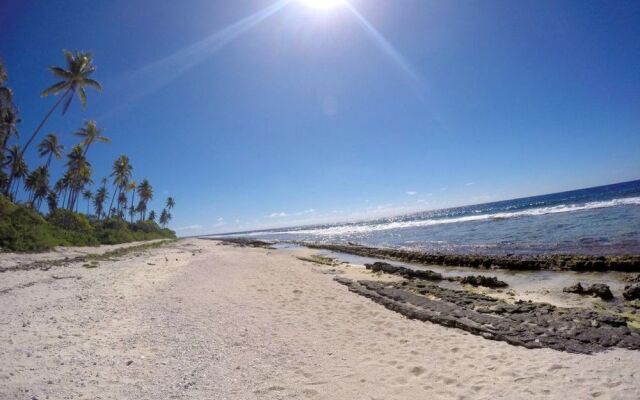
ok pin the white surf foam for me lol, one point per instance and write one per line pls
(344, 230)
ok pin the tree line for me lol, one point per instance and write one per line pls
(116, 196)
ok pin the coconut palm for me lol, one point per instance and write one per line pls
(73, 81)
(165, 217)
(98, 200)
(121, 173)
(88, 196)
(37, 184)
(122, 204)
(78, 174)
(170, 203)
(152, 216)
(145, 191)
(52, 201)
(131, 187)
(18, 170)
(8, 114)
(50, 147)
(91, 133)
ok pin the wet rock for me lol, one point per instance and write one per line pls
(597, 290)
(406, 272)
(486, 281)
(624, 263)
(524, 323)
(632, 292)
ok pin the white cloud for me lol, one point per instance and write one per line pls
(276, 215)
(189, 228)
(412, 193)
(470, 183)
(305, 212)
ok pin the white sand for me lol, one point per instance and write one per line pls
(239, 323)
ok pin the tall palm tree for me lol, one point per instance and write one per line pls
(17, 167)
(37, 184)
(121, 173)
(8, 113)
(131, 187)
(165, 217)
(98, 200)
(50, 147)
(73, 81)
(79, 174)
(170, 203)
(152, 216)
(91, 133)
(88, 196)
(145, 191)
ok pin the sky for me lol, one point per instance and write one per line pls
(262, 113)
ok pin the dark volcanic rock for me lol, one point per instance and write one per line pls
(625, 263)
(597, 290)
(528, 324)
(632, 292)
(406, 272)
(241, 242)
(479, 280)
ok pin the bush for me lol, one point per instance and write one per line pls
(24, 229)
(68, 220)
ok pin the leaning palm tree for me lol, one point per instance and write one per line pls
(50, 147)
(73, 81)
(91, 133)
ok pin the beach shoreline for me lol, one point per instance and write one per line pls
(200, 319)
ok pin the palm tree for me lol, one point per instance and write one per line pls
(121, 173)
(170, 203)
(152, 216)
(50, 147)
(88, 196)
(98, 200)
(165, 217)
(131, 187)
(145, 191)
(91, 133)
(37, 183)
(18, 169)
(8, 114)
(78, 173)
(122, 204)
(73, 81)
(52, 201)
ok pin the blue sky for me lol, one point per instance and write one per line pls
(312, 115)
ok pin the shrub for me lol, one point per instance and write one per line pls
(68, 220)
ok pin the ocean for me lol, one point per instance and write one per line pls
(599, 221)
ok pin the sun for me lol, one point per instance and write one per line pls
(323, 4)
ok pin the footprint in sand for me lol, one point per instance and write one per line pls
(417, 371)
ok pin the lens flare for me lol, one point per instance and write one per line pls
(323, 4)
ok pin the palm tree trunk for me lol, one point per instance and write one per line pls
(133, 195)
(111, 205)
(46, 117)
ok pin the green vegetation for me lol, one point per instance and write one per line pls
(24, 224)
(22, 228)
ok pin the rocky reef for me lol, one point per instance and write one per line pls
(597, 290)
(527, 324)
(623, 263)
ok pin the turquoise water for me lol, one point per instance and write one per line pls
(599, 220)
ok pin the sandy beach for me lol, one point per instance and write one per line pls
(195, 319)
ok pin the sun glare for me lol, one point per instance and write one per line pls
(323, 4)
